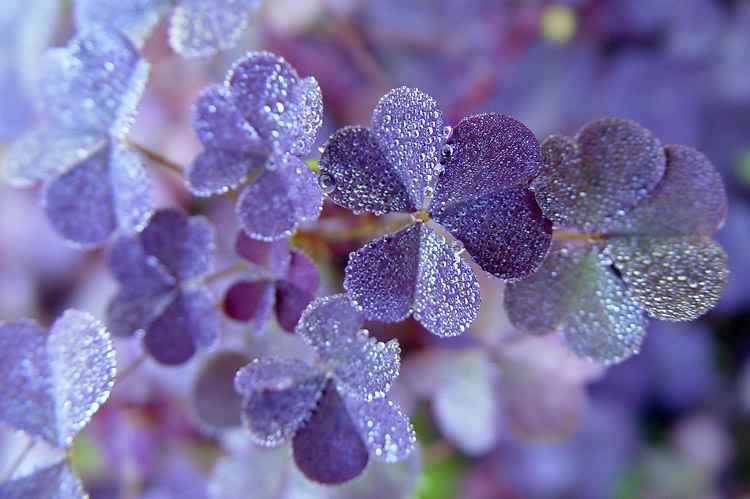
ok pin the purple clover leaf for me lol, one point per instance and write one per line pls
(396, 167)
(54, 382)
(197, 28)
(657, 208)
(94, 184)
(161, 291)
(283, 279)
(213, 399)
(335, 414)
(53, 480)
(257, 125)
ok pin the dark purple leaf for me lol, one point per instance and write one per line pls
(675, 278)
(273, 205)
(279, 397)
(184, 245)
(488, 154)
(329, 448)
(220, 125)
(215, 400)
(385, 430)
(133, 308)
(414, 271)
(132, 267)
(505, 233)
(290, 302)
(250, 300)
(199, 29)
(609, 167)
(408, 126)
(356, 174)
(51, 481)
(274, 256)
(188, 322)
(689, 200)
(302, 272)
(285, 110)
(216, 171)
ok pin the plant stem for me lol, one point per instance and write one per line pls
(155, 157)
(125, 371)
(237, 267)
(582, 236)
(15, 464)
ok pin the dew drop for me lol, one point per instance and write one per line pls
(327, 183)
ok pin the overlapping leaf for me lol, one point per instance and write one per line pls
(55, 382)
(335, 417)
(161, 293)
(414, 271)
(483, 199)
(134, 18)
(282, 279)
(55, 481)
(256, 126)
(95, 186)
(214, 399)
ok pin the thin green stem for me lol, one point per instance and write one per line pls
(580, 236)
(237, 267)
(156, 157)
(125, 371)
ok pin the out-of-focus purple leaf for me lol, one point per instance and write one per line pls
(674, 278)
(407, 125)
(184, 245)
(329, 448)
(355, 174)
(610, 166)
(274, 256)
(214, 398)
(488, 154)
(385, 430)
(689, 200)
(302, 272)
(584, 300)
(220, 125)
(134, 18)
(54, 383)
(284, 109)
(52, 481)
(290, 302)
(188, 322)
(132, 267)
(273, 205)
(506, 233)
(106, 191)
(199, 29)
(413, 271)
(250, 300)
(216, 171)
(280, 395)
(132, 309)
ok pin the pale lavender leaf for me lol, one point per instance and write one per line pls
(280, 395)
(609, 167)
(274, 256)
(55, 481)
(135, 18)
(189, 322)
(94, 84)
(220, 125)
(330, 324)
(599, 317)
(184, 245)
(689, 200)
(355, 174)
(381, 479)
(44, 152)
(488, 153)
(381, 277)
(328, 448)
(28, 401)
(284, 109)
(368, 368)
(385, 430)
(214, 399)
(199, 29)
(80, 202)
(505, 233)
(408, 128)
(82, 359)
(216, 171)
(676, 278)
(272, 207)
(446, 298)
(133, 200)
(250, 301)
